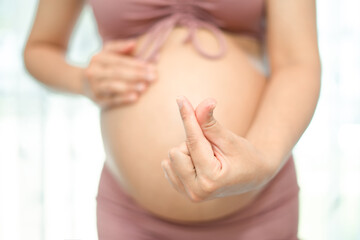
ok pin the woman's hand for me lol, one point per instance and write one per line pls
(213, 161)
(113, 77)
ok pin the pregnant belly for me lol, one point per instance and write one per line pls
(138, 136)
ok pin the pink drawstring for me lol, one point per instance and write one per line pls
(161, 30)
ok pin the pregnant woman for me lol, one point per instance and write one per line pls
(218, 163)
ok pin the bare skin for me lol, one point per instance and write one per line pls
(128, 132)
(138, 133)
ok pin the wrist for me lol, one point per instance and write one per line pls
(266, 161)
(80, 87)
(268, 167)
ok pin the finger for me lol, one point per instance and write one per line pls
(129, 74)
(132, 74)
(120, 87)
(172, 177)
(110, 59)
(120, 46)
(199, 147)
(108, 88)
(184, 149)
(95, 73)
(183, 166)
(212, 129)
(125, 66)
(112, 101)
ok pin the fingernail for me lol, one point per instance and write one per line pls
(179, 101)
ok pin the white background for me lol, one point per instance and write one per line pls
(51, 151)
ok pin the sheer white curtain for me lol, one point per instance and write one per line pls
(328, 154)
(51, 151)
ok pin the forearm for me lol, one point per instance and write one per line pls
(47, 64)
(284, 112)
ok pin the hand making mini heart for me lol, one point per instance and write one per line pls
(213, 161)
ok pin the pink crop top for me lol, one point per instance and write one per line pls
(131, 18)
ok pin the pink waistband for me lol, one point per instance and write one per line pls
(160, 31)
(282, 188)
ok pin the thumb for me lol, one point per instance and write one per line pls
(211, 128)
(121, 46)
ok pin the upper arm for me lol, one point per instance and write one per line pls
(292, 33)
(54, 22)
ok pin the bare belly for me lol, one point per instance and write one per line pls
(137, 136)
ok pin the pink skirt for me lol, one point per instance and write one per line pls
(272, 216)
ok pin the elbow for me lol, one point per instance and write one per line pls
(313, 72)
(309, 65)
(307, 71)
(313, 66)
(316, 67)
(320, 68)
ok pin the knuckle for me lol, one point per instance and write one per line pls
(97, 95)
(98, 100)
(140, 74)
(89, 73)
(210, 124)
(104, 88)
(195, 198)
(98, 91)
(95, 58)
(121, 88)
(165, 164)
(117, 71)
(111, 72)
(132, 74)
(183, 148)
(207, 185)
(172, 153)
(184, 114)
(192, 142)
(137, 86)
(121, 73)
